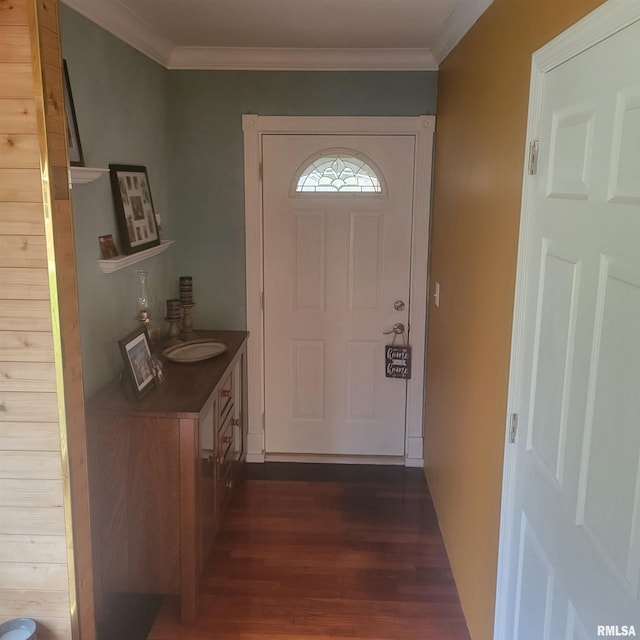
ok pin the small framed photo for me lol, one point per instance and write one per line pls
(134, 208)
(107, 247)
(137, 360)
(76, 159)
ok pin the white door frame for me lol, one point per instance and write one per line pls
(601, 23)
(422, 128)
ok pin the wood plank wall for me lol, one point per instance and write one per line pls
(45, 550)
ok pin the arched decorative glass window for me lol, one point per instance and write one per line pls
(338, 171)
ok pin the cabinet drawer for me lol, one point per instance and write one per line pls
(225, 461)
(225, 396)
(225, 439)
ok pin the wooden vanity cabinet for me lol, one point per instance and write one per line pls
(162, 469)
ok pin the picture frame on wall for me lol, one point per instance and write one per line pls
(136, 355)
(135, 215)
(76, 158)
(108, 247)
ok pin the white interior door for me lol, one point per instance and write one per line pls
(335, 265)
(572, 534)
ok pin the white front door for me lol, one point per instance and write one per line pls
(336, 276)
(571, 538)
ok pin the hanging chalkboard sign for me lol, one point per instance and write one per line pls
(397, 362)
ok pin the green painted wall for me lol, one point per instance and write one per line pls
(186, 128)
(120, 98)
(207, 172)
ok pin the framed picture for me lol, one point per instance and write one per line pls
(73, 137)
(107, 247)
(134, 208)
(136, 355)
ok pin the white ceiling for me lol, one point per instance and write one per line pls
(288, 34)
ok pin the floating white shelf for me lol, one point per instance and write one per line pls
(84, 175)
(115, 264)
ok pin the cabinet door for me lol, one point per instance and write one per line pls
(225, 460)
(239, 409)
(207, 483)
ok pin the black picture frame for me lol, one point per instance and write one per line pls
(76, 157)
(136, 355)
(134, 210)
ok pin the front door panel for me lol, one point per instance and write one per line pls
(334, 265)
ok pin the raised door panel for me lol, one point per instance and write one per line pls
(612, 432)
(624, 185)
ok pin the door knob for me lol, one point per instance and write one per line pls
(398, 329)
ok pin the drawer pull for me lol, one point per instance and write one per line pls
(227, 439)
(235, 422)
(226, 393)
(229, 484)
(220, 460)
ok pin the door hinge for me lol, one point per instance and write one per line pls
(513, 427)
(534, 148)
(260, 170)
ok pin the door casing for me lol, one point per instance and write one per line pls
(254, 127)
(603, 22)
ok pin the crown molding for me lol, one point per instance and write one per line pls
(115, 18)
(292, 59)
(462, 18)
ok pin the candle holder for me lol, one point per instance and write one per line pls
(186, 289)
(174, 330)
(187, 322)
(174, 318)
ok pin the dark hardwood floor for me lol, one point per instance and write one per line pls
(312, 552)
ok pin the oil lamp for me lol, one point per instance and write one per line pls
(144, 300)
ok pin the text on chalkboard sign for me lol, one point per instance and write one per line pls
(398, 362)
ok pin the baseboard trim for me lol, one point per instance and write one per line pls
(332, 459)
